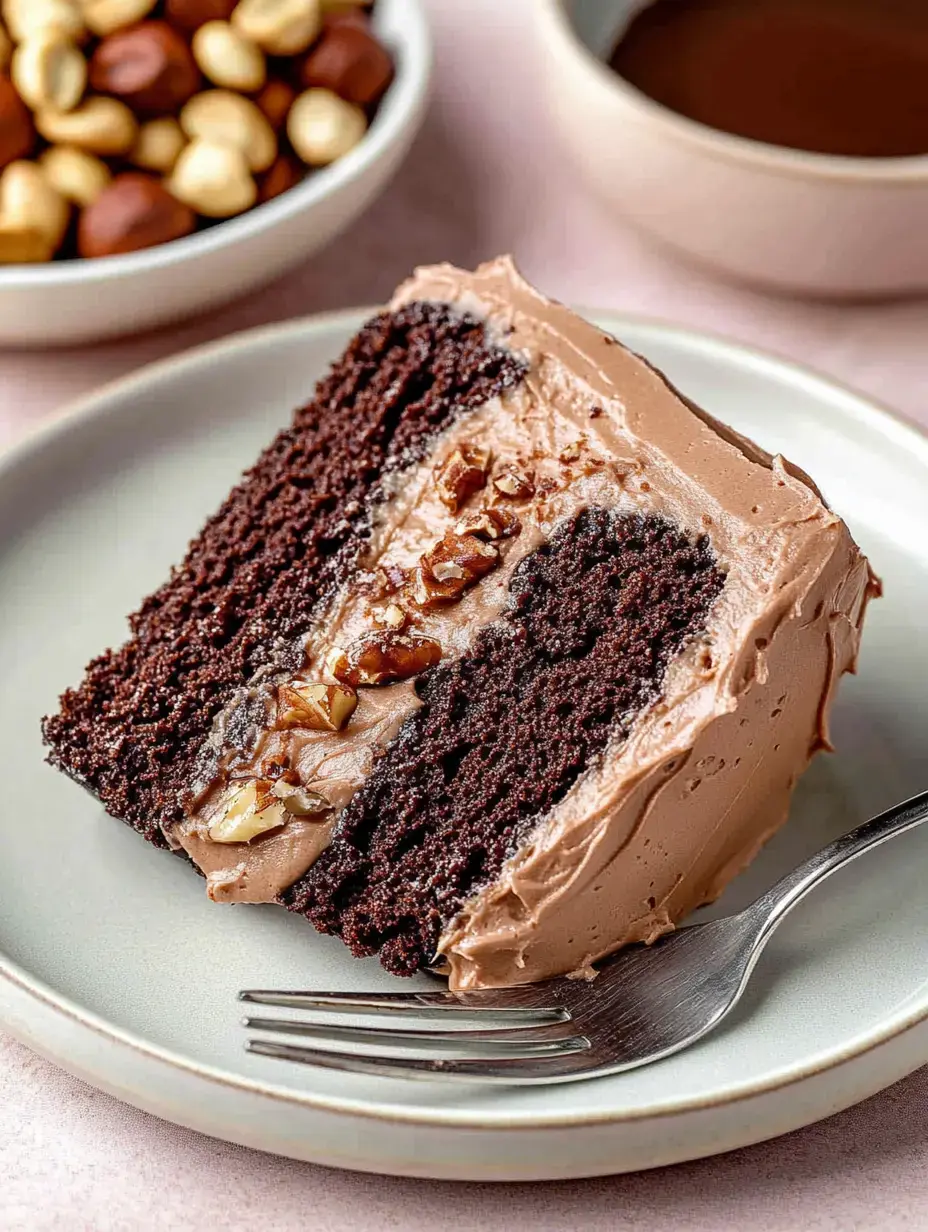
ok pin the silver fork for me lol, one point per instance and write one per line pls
(646, 1002)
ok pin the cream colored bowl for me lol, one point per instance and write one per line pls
(788, 219)
(69, 302)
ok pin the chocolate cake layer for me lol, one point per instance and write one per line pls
(594, 618)
(285, 539)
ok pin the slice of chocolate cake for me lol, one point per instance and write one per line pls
(501, 656)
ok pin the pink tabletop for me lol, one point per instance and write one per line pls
(486, 176)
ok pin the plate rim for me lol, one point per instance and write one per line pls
(901, 430)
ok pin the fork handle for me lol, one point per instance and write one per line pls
(791, 889)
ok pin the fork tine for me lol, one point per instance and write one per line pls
(506, 1007)
(479, 1044)
(533, 1071)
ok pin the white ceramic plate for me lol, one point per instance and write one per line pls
(114, 964)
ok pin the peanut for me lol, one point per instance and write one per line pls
(229, 59)
(280, 27)
(213, 179)
(107, 16)
(322, 127)
(48, 70)
(29, 201)
(100, 125)
(27, 18)
(78, 176)
(230, 119)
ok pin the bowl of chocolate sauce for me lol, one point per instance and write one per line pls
(783, 142)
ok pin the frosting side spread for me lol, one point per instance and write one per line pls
(662, 824)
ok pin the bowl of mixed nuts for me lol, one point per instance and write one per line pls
(158, 157)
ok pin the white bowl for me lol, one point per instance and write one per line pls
(69, 302)
(797, 221)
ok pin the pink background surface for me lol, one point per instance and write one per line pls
(485, 176)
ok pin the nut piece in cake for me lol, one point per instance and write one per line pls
(463, 473)
(320, 707)
(381, 657)
(251, 811)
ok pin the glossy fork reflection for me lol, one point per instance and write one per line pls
(646, 1003)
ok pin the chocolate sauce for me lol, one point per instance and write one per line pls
(833, 76)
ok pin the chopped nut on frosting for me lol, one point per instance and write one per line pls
(300, 802)
(392, 616)
(514, 482)
(456, 562)
(463, 473)
(250, 811)
(492, 523)
(379, 658)
(320, 707)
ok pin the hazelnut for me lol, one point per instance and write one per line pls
(281, 27)
(17, 133)
(275, 100)
(454, 564)
(107, 16)
(251, 810)
(349, 61)
(78, 176)
(189, 15)
(158, 145)
(29, 201)
(26, 18)
(134, 211)
(213, 179)
(320, 707)
(149, 67)
(229, 59)
(100, 125)
(322, 127)
(49, 70)
(462, 473)
(492, 523)
(285, 174)
(6, 49)
(21, 244)
(298, 801)
(515, 482)
(228, 119)
(379, 658)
